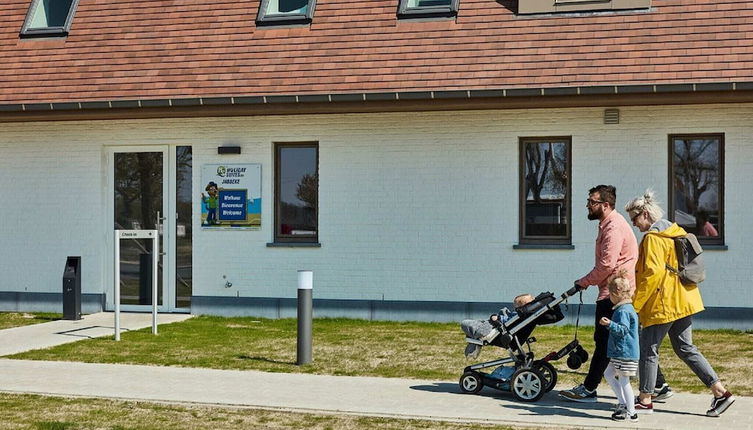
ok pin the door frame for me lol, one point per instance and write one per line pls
(167, 232)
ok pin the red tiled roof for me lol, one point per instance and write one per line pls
(152, 49)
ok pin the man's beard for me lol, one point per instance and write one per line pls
(595, 214)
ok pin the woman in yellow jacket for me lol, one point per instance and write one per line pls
(665, 306)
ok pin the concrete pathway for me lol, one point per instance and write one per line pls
(53, 333)
(388, 397)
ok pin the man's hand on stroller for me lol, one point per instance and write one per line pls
(576, 288)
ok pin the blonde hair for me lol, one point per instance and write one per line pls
(619, 286)
(522, 300)
(648, 203)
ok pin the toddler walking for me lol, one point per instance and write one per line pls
(622, 346)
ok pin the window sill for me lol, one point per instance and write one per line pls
(714, 247)
(284, 21)
(42, 33)
(542, 246)
(294, 245)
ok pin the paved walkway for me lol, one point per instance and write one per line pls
(390, 397)
(53, 333)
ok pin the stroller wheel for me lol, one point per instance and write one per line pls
(471, 383)
(527, 385)
(548, 372)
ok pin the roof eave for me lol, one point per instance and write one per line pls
(513, 98)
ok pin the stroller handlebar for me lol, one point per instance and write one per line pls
(573, 291)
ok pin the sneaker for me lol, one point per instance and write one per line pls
(619, 415)
(720, 404)
(622, 415)
(662, 394)
(472, 351)
(579, 394)
(640, 408)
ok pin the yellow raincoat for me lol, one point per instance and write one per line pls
(660, 297)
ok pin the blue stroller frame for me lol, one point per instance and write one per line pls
(527, 378)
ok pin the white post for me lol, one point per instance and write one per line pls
(117, 285)
(305, 287)
(155, 283)
(137, 234)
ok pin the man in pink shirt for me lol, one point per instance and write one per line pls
(616, 249)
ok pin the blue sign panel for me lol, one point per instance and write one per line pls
(232, 205)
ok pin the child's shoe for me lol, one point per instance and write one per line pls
(621, 414)
(720, 404)
(620, 409)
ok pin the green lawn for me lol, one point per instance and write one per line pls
(22, 411)
(15, 319)
(386, 349)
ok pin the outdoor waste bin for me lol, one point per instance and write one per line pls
(72, 289)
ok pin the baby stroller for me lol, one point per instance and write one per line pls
(528, 379)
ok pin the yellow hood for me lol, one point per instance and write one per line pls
(671, 232)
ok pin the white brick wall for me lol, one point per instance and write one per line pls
(413, 206)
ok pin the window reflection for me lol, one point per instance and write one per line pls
(696, 182)
(297, 191)
(138, 188)
(546, 188)
(183, 227)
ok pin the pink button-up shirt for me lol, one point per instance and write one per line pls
(616, 249)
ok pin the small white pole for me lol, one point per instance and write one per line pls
(305, 287)
(155, 284)
(117, 285)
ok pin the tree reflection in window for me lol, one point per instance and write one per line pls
(138, 190)
(297, 192)
(697, 183)
(545, 188)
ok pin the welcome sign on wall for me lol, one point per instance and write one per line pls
(231, 196)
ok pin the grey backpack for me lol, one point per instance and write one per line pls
(690, 267)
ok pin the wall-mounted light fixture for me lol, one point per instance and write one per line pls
(228, 149)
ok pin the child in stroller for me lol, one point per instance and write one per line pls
(483, 330)
(528, 379)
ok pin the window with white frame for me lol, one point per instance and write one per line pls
(273, 12)
(49, 18)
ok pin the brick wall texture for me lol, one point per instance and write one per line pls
(417, 206)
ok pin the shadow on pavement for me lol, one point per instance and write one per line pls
(438, 387)
(552, 410)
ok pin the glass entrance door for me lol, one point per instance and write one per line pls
(139, 192)
(146, 184)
